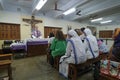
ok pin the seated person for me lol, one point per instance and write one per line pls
(58, 46)
(92, 50)
(51, 37)
(102, 46)
(75, 53)
(82, 36)
(36, 33)
(115, 49)
(80, 32)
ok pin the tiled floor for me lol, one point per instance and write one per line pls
(37, 68)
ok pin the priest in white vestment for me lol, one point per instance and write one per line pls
(75, 53)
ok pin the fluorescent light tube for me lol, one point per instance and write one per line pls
(103, 22)
(40, 4)
(69, 11)
(98, 19)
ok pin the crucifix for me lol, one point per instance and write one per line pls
(32, 21)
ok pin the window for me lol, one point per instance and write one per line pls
(105, 34)
(9, 31)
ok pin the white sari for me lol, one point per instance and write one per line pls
(91, 44)
(75, 53)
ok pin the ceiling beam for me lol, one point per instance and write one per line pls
(105, 13)
(1, 5)
(97, 8)
(71, 4)
(33, 7)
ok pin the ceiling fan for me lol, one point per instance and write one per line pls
(93, 16)
(78, 13)
(56, 6)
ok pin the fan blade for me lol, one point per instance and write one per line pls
(55, 5)
(59, 10)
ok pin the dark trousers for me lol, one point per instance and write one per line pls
(96, 70)
(51, 60)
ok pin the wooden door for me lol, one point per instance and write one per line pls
(47, 30)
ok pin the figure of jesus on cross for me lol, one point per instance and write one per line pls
(35, 33)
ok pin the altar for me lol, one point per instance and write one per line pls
(18, 46)
(31, 47)
(18, 49)
(36, 47)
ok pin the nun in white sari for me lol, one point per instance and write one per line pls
(75, 53)
(91, 44)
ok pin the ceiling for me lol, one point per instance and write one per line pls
(87, 9)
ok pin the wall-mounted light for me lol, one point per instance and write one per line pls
(40, 4)
(69, 11)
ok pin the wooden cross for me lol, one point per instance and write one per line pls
(32, 21)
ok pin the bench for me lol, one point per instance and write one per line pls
(73, 68)
(56, 61)
(48, 57)
(5, 63)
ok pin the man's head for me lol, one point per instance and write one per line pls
(116, 32)
(82, 29)
(33, 17)
(78, 31)
(36, 27)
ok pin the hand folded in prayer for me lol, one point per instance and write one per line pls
(62, 59)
